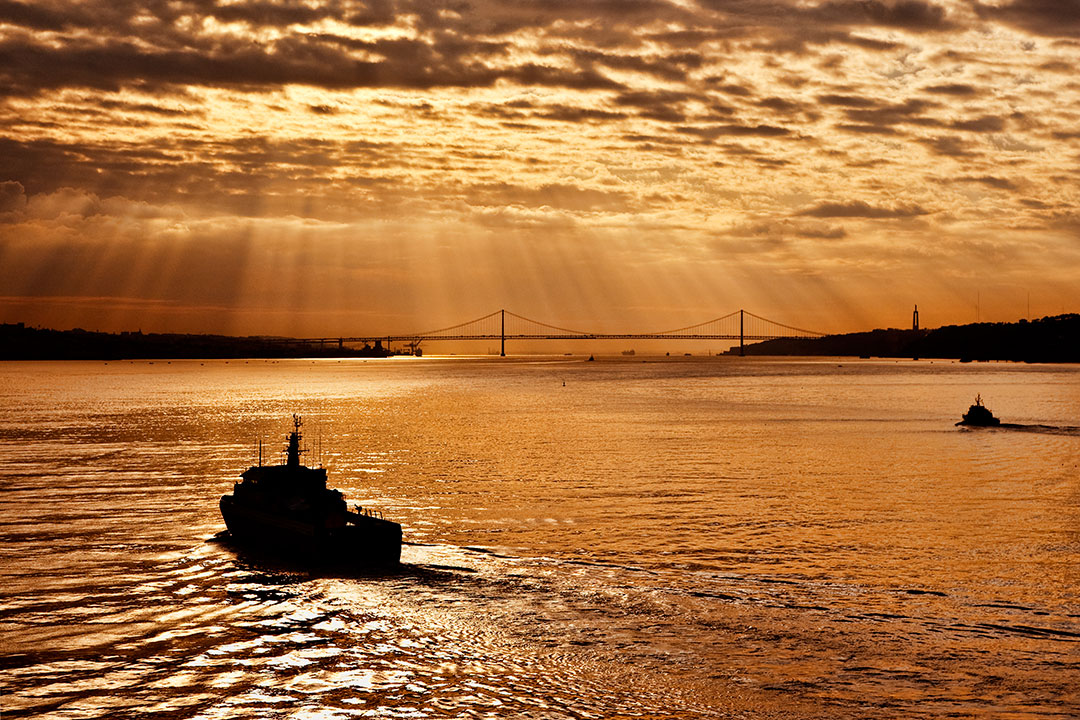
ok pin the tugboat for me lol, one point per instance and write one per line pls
(978, 415)
(288, 510)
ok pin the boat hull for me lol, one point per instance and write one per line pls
(361, 541)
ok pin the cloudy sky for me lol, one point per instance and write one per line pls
(358, 166)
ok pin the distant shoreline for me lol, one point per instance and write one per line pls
(1053, 339)
(19, 342)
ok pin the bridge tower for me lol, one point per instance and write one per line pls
(915, 319)
(502, 333)
(742, 347)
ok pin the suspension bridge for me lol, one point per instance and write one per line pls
(503, 325)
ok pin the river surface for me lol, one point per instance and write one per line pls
(679, 538)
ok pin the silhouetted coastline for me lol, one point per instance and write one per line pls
(19, 342)
(1049, 339)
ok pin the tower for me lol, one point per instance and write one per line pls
(915, 319)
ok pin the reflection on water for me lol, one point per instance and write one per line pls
(695, 539)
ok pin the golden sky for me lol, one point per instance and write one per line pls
(378, 166)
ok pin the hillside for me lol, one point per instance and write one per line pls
(1049, 339)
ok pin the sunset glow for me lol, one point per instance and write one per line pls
(350, 167)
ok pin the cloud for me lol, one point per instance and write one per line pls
(128, 44)
(986, 123)
(663, 105)
(12, 197)
(949, 146)
(566, 113)
(954, 89)
(861, 209)
(911, 111)
(711, 132)
(868, 129)
(1009, 143)
(850, 101)
(565, 196)
(1054, 18)
(835, 232)
(912, 15)
(990, 181)
(529, 121)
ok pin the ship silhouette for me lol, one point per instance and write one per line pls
(978, 415)
(287, 510)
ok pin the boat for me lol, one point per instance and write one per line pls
(978, 415)
(287, 510)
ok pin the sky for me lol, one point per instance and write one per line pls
(389, 166)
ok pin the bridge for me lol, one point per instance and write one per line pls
(503, 325)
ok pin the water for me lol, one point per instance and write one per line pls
(690, 538)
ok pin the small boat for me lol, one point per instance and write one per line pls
(287, 510)
(978, 415)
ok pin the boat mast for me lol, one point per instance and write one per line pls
(292, 452)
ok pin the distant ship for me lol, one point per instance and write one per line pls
(288, 510)
(628, 352)
(979, 415)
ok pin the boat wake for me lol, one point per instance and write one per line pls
(1070, 430)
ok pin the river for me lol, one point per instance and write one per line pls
(682, 537)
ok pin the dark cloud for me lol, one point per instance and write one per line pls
(911, 111)
(755, 156)
(872, 43)
(567, 113)
(12, 196)
(28, 65)
(663, 105)
(653, 98)
(1059, 66)
(986, 123)
(711, 132)
(673, 66)
(912, 15)
(245, 175)
(829, 233)
(849, 101)
(990, 181)
(729, 88)
(1054, 18)
(772, 162)
(868, 129)
(128, 43)
(781, 105)
(860, 209)
(956, 89)
(264, 14)
(42, 17)
(949, 146)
